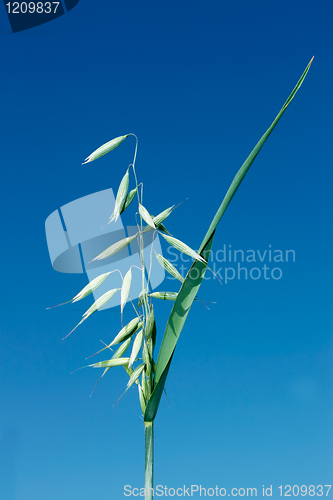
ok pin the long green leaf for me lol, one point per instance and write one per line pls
(191, 285)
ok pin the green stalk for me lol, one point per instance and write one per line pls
(149, 428)
(149, 461)
(141, 232)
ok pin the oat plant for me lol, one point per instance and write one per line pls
(135, 341)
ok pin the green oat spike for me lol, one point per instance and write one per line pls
(182, 247)
(128, 201)
(150, 327)
(87, 290)
(135, 375)
(149, 382)
(101, 301)
(151, 353)
(132, 327)
(107, 365)
(169, 267)
(111, 362)
(147, 356)
(125, 333)
(163, 215)
(141, 298)
(164, 295)
(173, 271)
(91, 287)
(106, 148)
(162, 228)
(144, 384)
(148, 373)
(142, 399)
(159, 226)
(134, 378)
(168, 296)
(145, 353)
(136, 347)
(147, 364)
(125, 289)
(129, 372)
(146, 216)
(118, 354)
(121, 197)
(122, 349)
(116, 247)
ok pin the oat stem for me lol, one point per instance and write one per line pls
(149, 461)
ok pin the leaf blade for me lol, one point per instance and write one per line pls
(190, 286)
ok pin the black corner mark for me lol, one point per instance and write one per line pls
(24, 15)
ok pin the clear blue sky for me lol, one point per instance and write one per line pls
(250, 387)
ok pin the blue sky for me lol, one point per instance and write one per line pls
(250, 388)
